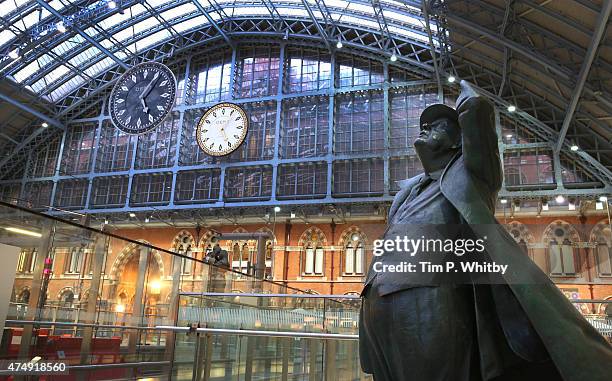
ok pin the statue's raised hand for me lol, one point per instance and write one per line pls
(466, 92)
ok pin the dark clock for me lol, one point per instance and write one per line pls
(142, 98)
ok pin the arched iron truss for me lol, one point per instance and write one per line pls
(541, 98)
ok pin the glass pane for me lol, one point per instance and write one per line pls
(349, 261)
(568, 259)
(319, 261)
(555, 260)
(359, 258)
(309, 261)
(603, 259)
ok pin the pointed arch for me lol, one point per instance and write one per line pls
(184, 244)
(124, 257)
(352, 244)
(181, 237)
(266, 229)
(207, 238)
(560, 237)
(519, 231)
(560, 230)
(601, 233)
(63, 290)
(605, 308)
(312, 234)
(312, 252)
(601, 245)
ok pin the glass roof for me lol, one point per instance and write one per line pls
(63, 60)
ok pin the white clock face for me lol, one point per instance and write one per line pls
(222, 129)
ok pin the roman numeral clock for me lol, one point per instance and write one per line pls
(222, 129)
(142, 98)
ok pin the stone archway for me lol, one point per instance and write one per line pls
(126, 255)
(125, 270)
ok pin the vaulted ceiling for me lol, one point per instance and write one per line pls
(552, 60)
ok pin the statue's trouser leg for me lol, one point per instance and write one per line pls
(420, 334)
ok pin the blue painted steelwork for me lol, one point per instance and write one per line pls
(332, 92)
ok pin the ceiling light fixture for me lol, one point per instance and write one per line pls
(132, 214)
(503, 201)
(14, 54)
(511, 108)
(339, 45)
(60, 27)
(574, 148)
(24, 232)
(603, 198)
(393, 57)
(44, 124)
(451, 79)
(560, 199)
(277, 209)
(112, 5)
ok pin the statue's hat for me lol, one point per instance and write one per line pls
(437, 111)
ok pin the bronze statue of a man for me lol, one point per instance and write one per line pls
(423, 326)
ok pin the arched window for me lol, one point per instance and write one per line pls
(241, 257)
(245, 253)
(521, 235)
(601, 239)
(184, 244)
(354, 255)
(562, 258)
(312, 255)
(236, 252)
(66, 299)
(24, 296)
(74, 260)
(313, 260)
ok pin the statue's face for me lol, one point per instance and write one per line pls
(438, 136)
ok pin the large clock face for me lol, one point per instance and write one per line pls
(222, 129)
(142, 98)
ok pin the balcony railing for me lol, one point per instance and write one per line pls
(139, 316)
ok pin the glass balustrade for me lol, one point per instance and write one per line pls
(110, 308)
(319, 339)
(115, 308)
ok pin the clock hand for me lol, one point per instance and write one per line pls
(224, 134)
(223, 131)
(145, 109)
(149, 87)
(144, 93)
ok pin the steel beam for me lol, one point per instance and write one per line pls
(213, 23)
(317, 25)
(382, 24)
(31, 111)
(433, 50)
(562, 73)
(600, 28)
(82, 33)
